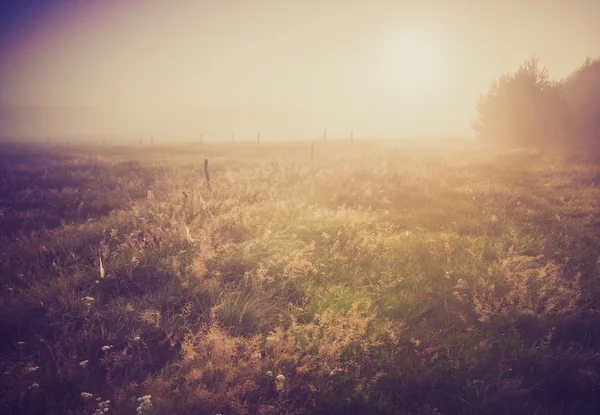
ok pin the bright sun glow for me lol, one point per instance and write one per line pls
(410, 64)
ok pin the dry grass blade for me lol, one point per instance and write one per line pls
(188, 237)
(101, 265)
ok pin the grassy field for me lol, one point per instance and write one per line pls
(377, 278)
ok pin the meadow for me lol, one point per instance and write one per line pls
(376, 277)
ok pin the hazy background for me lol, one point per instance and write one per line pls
(173, 69)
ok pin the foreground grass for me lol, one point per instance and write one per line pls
(376, 279)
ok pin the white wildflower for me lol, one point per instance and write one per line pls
(32, 369)
(106, 348)
(145, 403)
(415, 342)
(279, 384)
(269, 373)
(20, 343)
(102, 407)
(461, 285)
(34, 386)
(86, 395)
(84, 363)
(88, 299)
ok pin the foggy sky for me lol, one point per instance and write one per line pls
(176, 68)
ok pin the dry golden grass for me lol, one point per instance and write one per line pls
(378, 278)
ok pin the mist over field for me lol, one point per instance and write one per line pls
(91, 123)
(287, 207)
(289, 69)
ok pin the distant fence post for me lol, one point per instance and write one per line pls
(258, 138)
(151, 140)
(352, 137)
(103, 142)
(206, 175)
(232, 139)
(312, 151)
(325, 135)
(201, 138)
(140, 141)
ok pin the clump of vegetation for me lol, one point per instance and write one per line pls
(450, 282)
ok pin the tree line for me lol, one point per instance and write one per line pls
(527, 108)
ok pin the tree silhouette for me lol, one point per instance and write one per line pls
(582, 97)
(522, 108)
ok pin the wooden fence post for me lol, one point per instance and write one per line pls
(206, 175)
(258, 138)
(232, 139)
